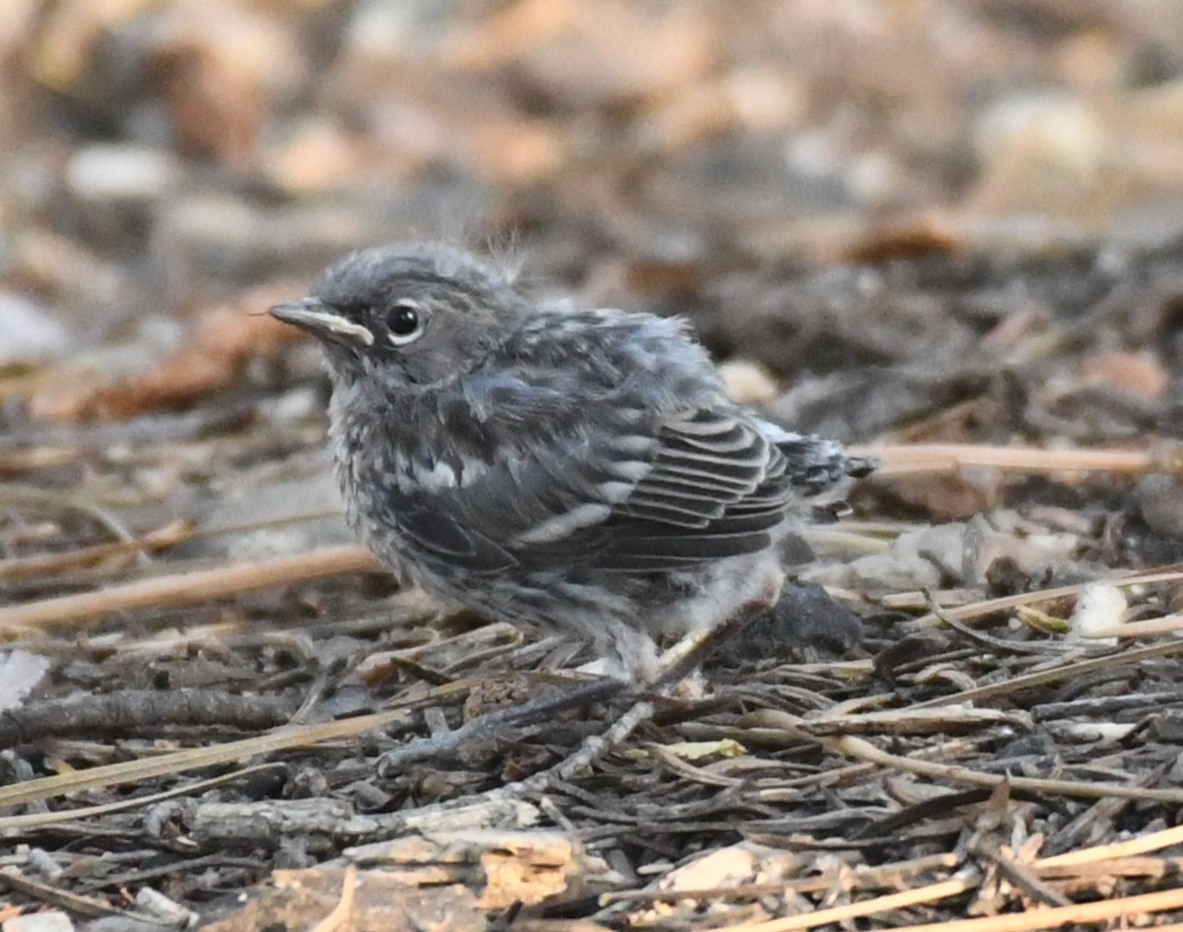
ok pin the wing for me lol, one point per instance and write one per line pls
(641, 492)
(716, 487)
(662, 472)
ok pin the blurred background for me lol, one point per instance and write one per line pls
(976, 201)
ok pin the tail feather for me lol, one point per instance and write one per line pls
(816, 464)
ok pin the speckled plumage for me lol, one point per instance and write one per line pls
(577, 469)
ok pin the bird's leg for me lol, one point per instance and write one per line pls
(536, 710)
(672, 667)
(694, 648)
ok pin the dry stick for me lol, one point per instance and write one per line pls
(130, 709)
(47, 892)
(38, 819)
(1054, 675)
(1058, 917)
(1155, 841)
(188, 588)
(1020, 875)
(1172, 573)
(176, 532)
(961, 882)
(866, 875)
(1167, 624)
(985, 640)
(851, 746)
(947, 457)
(339, 917)
(200, 585)
(45, 564)
(1030, 921)
(1088, 874)
(191, 759)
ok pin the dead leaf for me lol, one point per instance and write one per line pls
(697, 750)
(1138, 374)
(217, 352)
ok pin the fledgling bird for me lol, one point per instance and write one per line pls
(576, 469)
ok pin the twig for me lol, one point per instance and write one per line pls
(1031, 921)
(985, 640)
(339, 917)
(962, 882)
(133, 710)
(864, 750)
(913, 458)
(64, 899)
(1166, 574)
(864, 875)
(1054, 675)
(191, 759)
(1060, 917)
(1167, 624)
(446, 743)
(29, 820)
(45, 564)
(1020, 875)
(176, 532)
(1155, 841)
(188, 588)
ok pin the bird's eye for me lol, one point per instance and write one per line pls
(405, 322)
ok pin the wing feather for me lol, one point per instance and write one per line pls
(709, 484)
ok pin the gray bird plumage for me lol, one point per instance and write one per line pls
(577, 469)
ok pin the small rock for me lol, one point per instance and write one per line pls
(1099, 607)
(748, 383)
(27, 332)
(1159, 499)
(1137, 375)
(38, 922)
(123, 173)
(804, 616)
(20, 673)
(156, 903)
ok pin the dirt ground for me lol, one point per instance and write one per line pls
(949, 234)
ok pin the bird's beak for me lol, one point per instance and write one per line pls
(321, 321)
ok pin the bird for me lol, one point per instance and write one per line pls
(548, 465)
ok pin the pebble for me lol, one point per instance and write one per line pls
(28, 332)
(122, 173)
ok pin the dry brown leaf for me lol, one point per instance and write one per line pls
(511, 32)
(317, 156)
(944, 498)
(914, 239)
(214, 358)
(604, 53)
(70, 33)
(1138, 374)
(513, 150)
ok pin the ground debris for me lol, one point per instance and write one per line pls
(946, 234)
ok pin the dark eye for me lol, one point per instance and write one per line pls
(405, 322)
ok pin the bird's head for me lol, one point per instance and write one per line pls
(406, 316)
